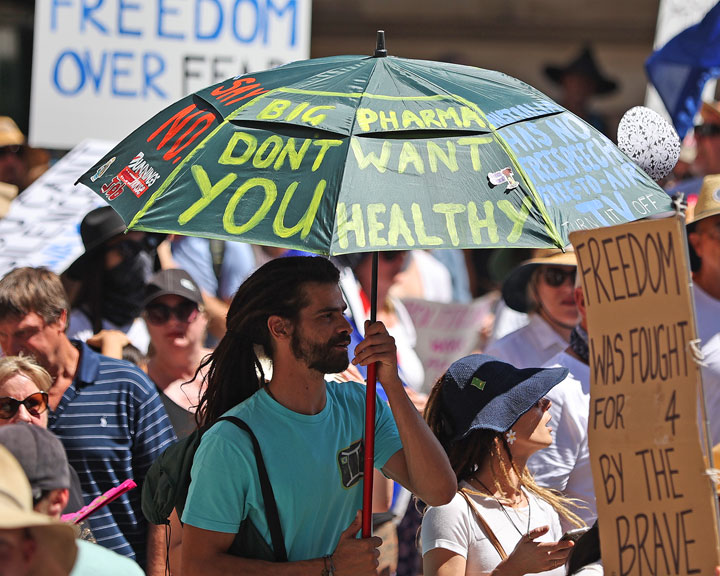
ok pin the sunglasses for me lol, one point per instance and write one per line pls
(158, 314)
(558, 276)
(36, 404)
(706, 130)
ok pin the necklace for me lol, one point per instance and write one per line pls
(504, 510)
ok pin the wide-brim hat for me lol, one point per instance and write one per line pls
(173, 281)
(10, 134)
(583, 65)
(97, 227)
(708, 200)
(514, 289)
(480, 392)
(55, 540)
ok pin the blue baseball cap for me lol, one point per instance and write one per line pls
(482, 392)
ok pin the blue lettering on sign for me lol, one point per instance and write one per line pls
(124, 5)
(162, 13)
(199, 11)
(53, 12)
(87, 17)
(237, 21)
(291, 5)
(73, 72)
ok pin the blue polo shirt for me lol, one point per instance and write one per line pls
(113, 425)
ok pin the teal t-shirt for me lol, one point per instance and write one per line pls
(314, 464)
(93, 559)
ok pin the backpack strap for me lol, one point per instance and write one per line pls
(271, 511)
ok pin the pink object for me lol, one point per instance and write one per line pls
(99, 502)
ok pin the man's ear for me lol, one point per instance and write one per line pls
(279, 327)
(63, 321)
(694, 241)
(54, 503)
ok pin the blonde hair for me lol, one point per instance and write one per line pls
(11, 365)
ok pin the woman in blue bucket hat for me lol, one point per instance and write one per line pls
(490, 417)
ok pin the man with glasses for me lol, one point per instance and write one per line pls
(543, 288)
(105, 411)
(707, 140)
(704, 239)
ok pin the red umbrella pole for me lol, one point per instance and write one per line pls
(370, 393)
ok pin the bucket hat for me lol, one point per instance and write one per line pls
(56, 541)
(172, 281)
(514, 289)
(583, 65)
(480, 392)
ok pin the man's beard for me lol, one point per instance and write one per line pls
(321, 357)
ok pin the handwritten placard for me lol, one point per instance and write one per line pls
(445, 332)
(655, 500)
(42, 226)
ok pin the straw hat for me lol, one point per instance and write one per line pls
(56, 541)
(514, 289)
(10, 134)
(708, 202)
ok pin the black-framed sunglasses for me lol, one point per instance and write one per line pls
(558, 276)
(706, 130)
(36, 404)
(158, 314)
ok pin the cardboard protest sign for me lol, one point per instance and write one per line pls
(42, 226)
(445, 332)
(656, 502)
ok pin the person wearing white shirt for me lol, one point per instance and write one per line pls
(565, 465)
(543, 288)
(704, 239)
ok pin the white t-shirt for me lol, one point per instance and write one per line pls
(80, 328)
(454, 527)
(529, 347)
(707, 313)
(565, 464)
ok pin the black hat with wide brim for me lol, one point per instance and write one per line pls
(480, 392)
(98, 226)
(583, 65)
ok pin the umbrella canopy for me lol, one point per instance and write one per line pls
(681, 68)
(353, 153)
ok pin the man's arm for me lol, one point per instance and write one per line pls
(205, 552)
(422, 465)
(155, 565)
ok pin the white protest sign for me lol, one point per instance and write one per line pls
(42, 226)
(445, 332)
(102, 68)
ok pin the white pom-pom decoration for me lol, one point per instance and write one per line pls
(649, 140)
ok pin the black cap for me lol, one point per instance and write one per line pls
(173, 281)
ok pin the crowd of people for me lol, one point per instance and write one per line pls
(253, 360)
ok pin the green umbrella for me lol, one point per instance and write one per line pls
(355, 154)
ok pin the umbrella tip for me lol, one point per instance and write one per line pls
(380, 51)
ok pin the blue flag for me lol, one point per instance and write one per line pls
(680, 69)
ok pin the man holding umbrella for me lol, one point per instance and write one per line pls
(309, 430)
